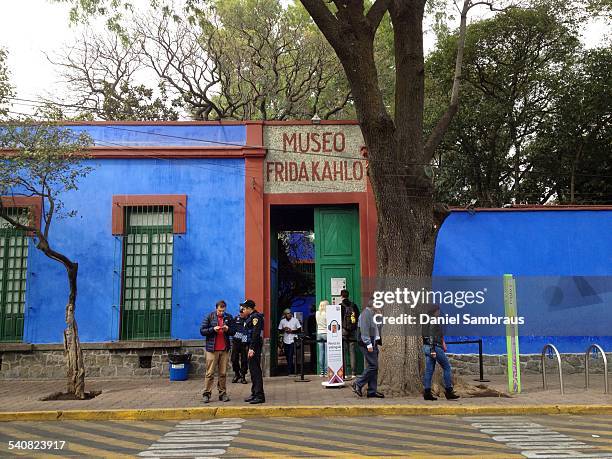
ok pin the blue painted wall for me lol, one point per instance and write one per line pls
(208, 262)
(532, 243)
(159, 135)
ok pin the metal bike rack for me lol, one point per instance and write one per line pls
(550, 346)
(586, 366)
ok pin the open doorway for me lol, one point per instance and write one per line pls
(315, 252)
(293, 277)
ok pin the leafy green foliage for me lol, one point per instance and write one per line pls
(571, 153)
(518, 65)
(6, 90)
(270, 62)
(217, 59)
(44, 160)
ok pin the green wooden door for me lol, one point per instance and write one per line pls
(337, 253)
(147, 275)
(13, 269)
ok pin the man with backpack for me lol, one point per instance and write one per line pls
(350, 335)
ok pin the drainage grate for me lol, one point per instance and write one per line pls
(144, 361)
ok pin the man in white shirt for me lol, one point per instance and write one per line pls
(290, 327)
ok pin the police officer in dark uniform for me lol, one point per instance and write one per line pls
(240, 348)
(254, 328)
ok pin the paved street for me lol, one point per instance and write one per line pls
(426, 436)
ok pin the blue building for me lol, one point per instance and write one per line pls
(175, 216)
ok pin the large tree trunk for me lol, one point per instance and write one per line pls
(398, 158)
(406, 242)
(405, 250)
(72, 344)
(404, 199)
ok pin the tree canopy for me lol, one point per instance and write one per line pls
(521, 71)
(230, 59)
(6, 89)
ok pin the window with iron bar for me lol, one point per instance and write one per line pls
(13, 273)
(146, 307)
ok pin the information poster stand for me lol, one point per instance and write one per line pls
(335, 367)
(512, 340)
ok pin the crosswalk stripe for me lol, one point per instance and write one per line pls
(583, 435)
(577, 426)
(434, 437)
(286, 448)
(583, 432)
(438, 425)
(73, 445)
(75, 433)
(321, 441)
(18, 435)
(242, 452)
(357, 439)
(103, 428)
(404, 440)
(138, 425)
(468, 456)
(465, 431)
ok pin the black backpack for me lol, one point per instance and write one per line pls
(350, 316)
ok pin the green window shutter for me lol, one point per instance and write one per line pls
(146, 307)
(13, 273)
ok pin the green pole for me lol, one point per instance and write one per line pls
(512, 342)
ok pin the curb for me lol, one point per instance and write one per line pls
(300, 411)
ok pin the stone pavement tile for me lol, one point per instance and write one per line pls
(143, 393)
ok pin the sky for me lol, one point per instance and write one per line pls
(30, 29)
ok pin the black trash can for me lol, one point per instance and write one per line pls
(179, 366)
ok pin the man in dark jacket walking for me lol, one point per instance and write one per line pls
(240, 348)
(217, 327)
(434, 349)
(370, 342)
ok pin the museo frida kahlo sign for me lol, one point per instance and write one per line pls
(314, 159)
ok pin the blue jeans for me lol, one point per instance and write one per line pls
(430, 366)
(321, 351)
(370, 374)
(289, 351)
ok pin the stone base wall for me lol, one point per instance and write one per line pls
(124, 362)
(104, 363)
(467, 364)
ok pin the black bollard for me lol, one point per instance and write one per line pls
(301, 340)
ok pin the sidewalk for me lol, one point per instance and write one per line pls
(157, 393)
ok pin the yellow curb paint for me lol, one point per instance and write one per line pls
(300, 411)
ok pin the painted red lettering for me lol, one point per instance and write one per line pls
(304, 147)
(338, 170)
(315, 141)
(289, 141)
(315, 171)
(327, 141)
(357, 170)
(339, 142)
(278, 172)
(269, 168)
(326, 171)
(293, 171)
(346, 170)
(303, 173)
